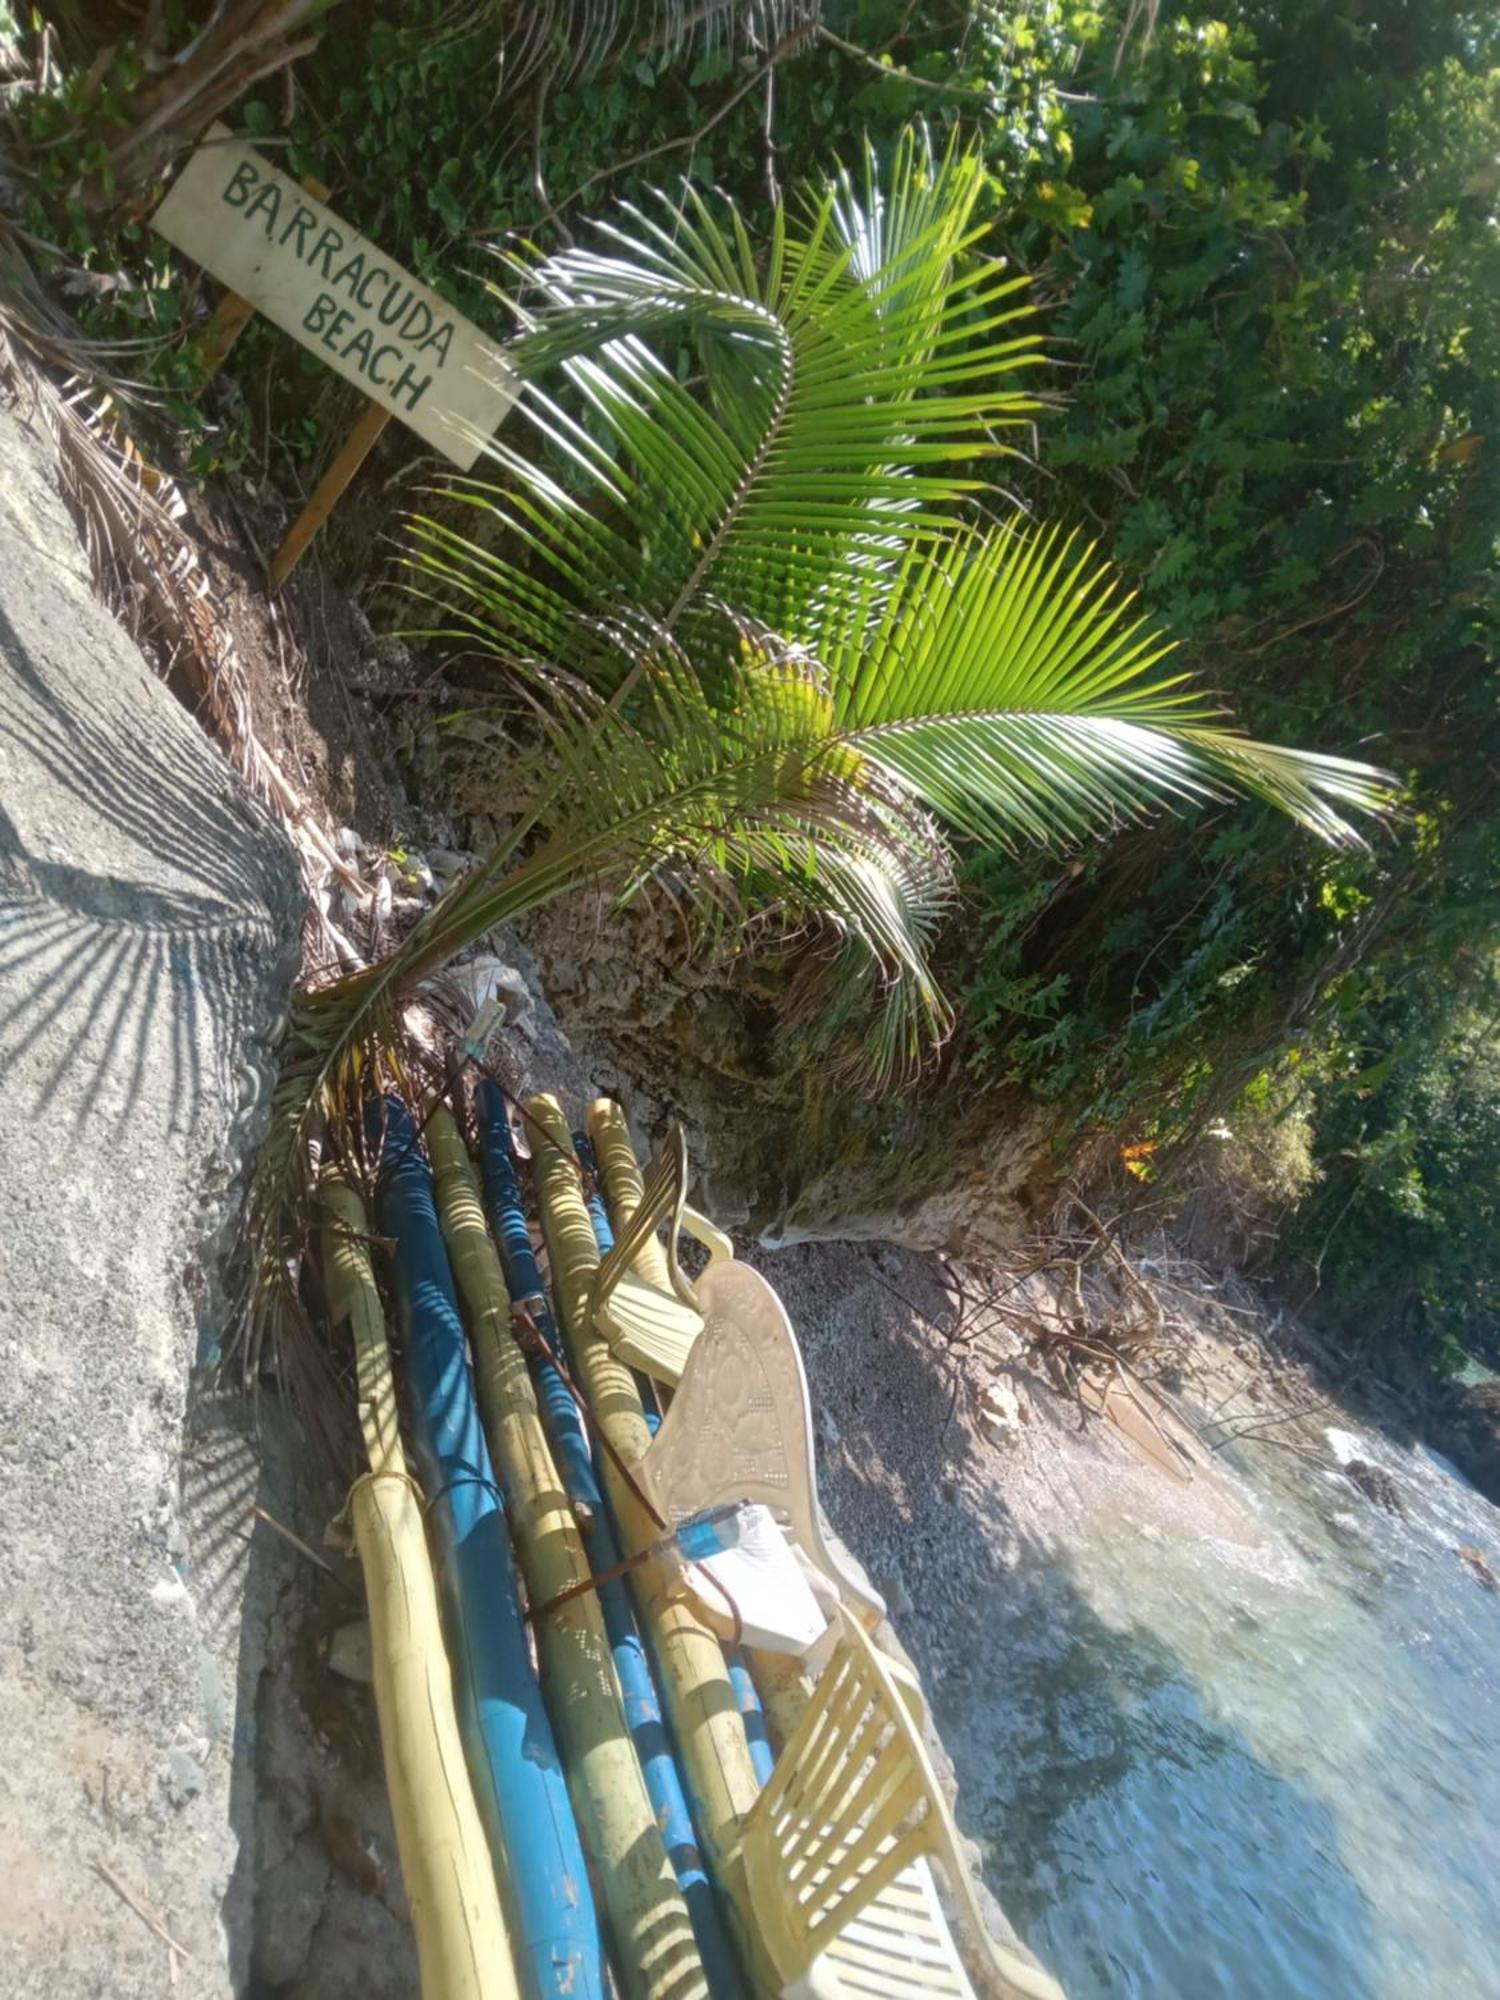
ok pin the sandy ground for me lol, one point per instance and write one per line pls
(147, 925)
(915, 1479)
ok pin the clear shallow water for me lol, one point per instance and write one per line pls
(1267, 1771)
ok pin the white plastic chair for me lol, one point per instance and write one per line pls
(740, 1425)
(650, 1327)
(836, 1849)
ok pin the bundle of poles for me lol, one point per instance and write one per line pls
(569, 1747)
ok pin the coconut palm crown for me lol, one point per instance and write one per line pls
(738, 549)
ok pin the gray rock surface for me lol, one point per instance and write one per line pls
(147, 931)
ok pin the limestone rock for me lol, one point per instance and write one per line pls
(1001, 1416)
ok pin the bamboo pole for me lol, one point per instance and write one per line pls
(462, 1948)
(774, 1667)
(573, 1455)
(655, 1952)
(517, 1771)
(779, 1682)
(695, 1681)
(784, 1688)
(623, 1184)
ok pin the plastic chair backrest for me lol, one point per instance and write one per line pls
(851, 1808)
(901, 1942)
(740, 1426)
(652, 1328)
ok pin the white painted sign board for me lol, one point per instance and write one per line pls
(268, 239)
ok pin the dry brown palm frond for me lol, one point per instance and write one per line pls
(243, 42)
(184, 87)
(1139, 15)
(34, 323)
(147, 566)
(568, 39)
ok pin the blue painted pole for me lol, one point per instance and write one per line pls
(574, 1459)
(747, 1694)
(762, 1756)
(518, 1776)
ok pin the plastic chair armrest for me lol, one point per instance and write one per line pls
(660, 1198)
(709, 1234)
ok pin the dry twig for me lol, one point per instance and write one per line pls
(296, 1541)
(132, 1901)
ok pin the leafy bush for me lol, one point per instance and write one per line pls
(1269, 251)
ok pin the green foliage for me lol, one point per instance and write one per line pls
(760, 656)
(799, 503)
(1264, 235)
(1400, 1237)
(121, 280)
(1272, 256)
(405, 113)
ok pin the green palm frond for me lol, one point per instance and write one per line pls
(846, 375)
(755, 798)
(800, 506)
(770, 646)
(1008, 684)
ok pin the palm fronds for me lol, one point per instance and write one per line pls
(752, 799)
(770, 641)
(242, 43)
(569, 39)
(1007, 683)
(147, 565)
(816, 482)
(852, 379)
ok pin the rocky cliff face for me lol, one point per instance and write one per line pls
(148, 922)
(1467, 1428)
(785, 1148)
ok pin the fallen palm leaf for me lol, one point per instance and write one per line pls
(147, 564)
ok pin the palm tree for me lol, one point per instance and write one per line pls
(776, 647)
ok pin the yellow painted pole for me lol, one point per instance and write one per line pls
(656, 1954)
(784, 1691)
(462, 1947)
(623, 1184)
(784, 1687)
(705, 1715)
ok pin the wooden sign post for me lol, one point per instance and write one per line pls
(285, 254)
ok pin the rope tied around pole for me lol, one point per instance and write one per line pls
(533, 1344)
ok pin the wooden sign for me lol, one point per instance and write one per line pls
(289, 256)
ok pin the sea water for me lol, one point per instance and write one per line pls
(1269, 1770)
